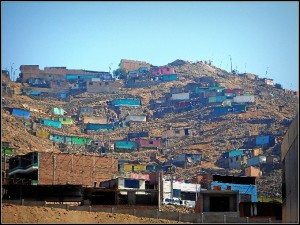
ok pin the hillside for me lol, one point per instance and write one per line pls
(211, 135)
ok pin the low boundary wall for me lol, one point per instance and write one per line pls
(153, 212)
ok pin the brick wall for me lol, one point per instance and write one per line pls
(75, 169)
(102, 86)
(128, 65)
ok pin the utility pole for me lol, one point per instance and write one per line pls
(159, 196)
(11, 68)
(230, 64)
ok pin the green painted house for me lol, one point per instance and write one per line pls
(58, 111)
(81, 141)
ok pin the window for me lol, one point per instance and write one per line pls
(91, 83)
(177, 131)
(151, 142)
(106, 83)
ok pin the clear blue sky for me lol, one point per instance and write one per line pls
(260, 37)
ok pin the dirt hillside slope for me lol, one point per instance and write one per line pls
(28, 214)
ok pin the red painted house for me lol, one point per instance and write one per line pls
(238, 91)
(148, 143)
(162, 70)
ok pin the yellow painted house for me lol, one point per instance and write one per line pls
(66, 120)
(42, 134)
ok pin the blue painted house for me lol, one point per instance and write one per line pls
(99, 127)
(143, 69)
(262, 140)
(245, 185)
(233, 153)
(169, 77)
(221, 110)
(153, 168)
(124, 146)
(126, 102)
(239, 108)
(35, 93)
(20, 113)
(244, 189)
(51, 123)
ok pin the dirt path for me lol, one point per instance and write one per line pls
(37, 214)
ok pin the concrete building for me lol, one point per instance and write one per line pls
(184, 193)
(124, 191)
(43, 168)
(290, 168)
(226, 202)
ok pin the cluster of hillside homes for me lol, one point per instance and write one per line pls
(205, 92)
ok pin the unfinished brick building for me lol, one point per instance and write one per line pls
(128, 65)
(61, 168)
